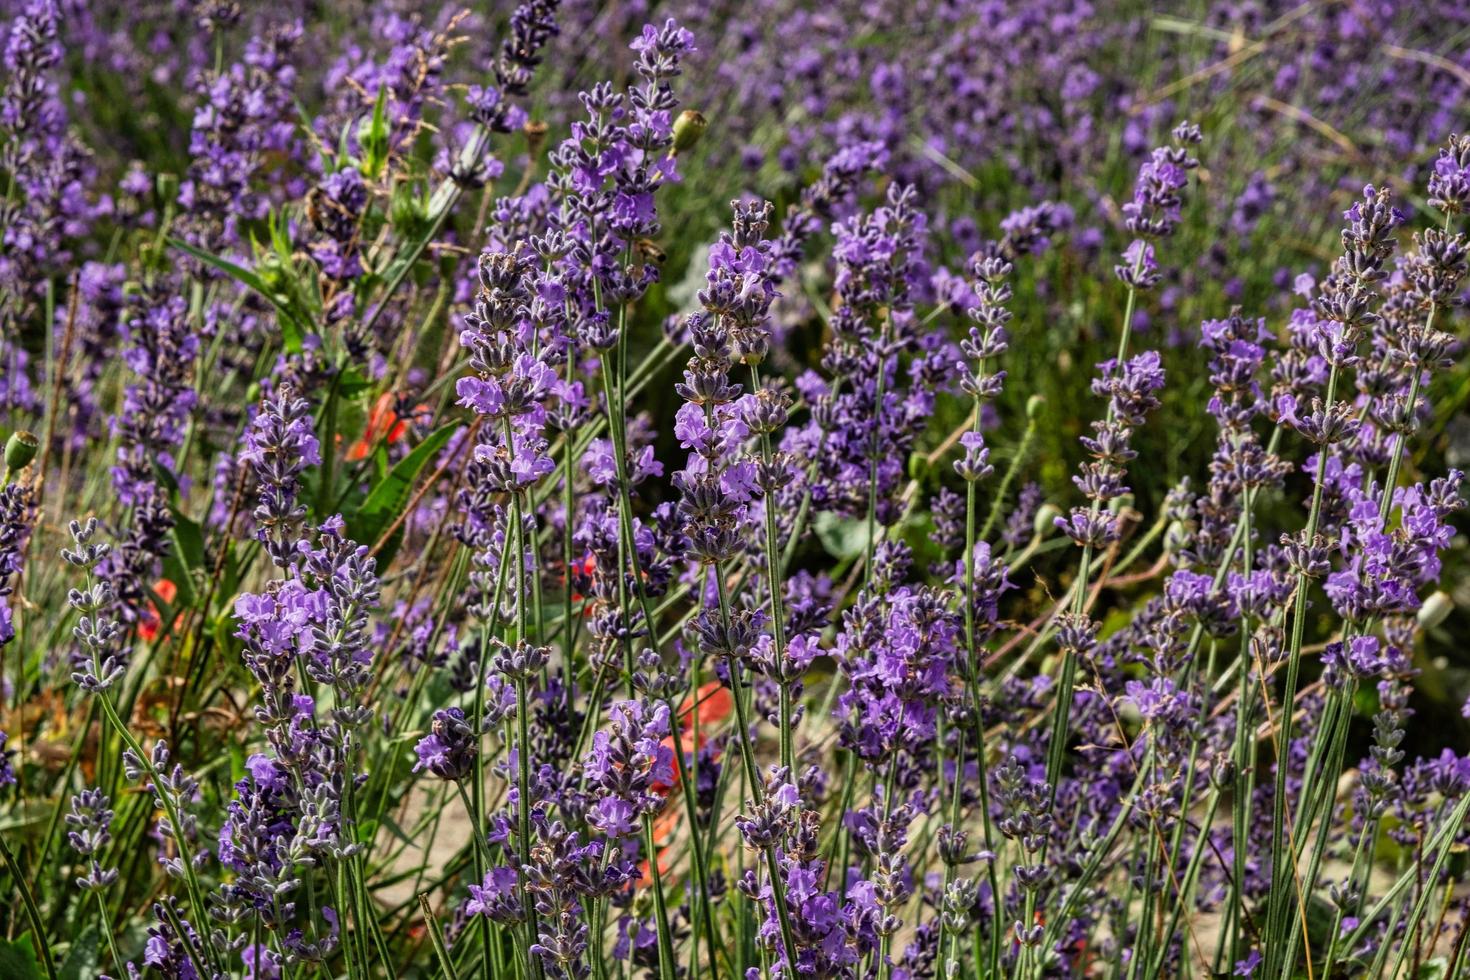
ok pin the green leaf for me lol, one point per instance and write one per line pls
(184, 565)
(843, 537)
(292, 330)
(18, 960)
(353, 382)
(397, 832)
(372, 136)
(280, 235)
(388, 499)
(1435, 969)
(344, 146)
(83, 959)
(166, 479)
(223, 630)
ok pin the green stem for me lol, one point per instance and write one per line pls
(947, 937)
(699, 899)
(752, 774)
(186, 853)
(998, 503)
(523, 782)
(1282, 890)
(436, 939)
(1057, 748)
(1442, 844)
(879, 382)
(665, 940)
(972, 675)
(1139, 953)
(778, 612)
(106, 925)
(32, 913)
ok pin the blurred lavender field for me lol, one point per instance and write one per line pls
(762, 490)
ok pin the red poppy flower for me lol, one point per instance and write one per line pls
(149, 624)
(384, 425)
(709, 706)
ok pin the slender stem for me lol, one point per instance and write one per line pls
(186, 853)
(1139, 953)
(873, 447)
(569, 508)
(838, 853)
(699, 900)
(948, 937)
(661, 911)
(1244, 740)
(106, 924)
(523, 785)
(752, 774)
(1282, 892)
(481, 850)
(773, 587)
(22, 885)
(436, 939)
(1336, 738)
(1441, 845)
(972, 675)
(1057, 748)
(1370, 829)
(183, 935)
(626, 544)
(997, 504)
(476, 803)
(523, 713)
(1186, 887)
(798, 526)
(1098, 854)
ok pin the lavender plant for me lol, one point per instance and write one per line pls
(575, 491)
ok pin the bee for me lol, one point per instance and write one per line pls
(535, 131)
(314, 213)
(646, 250)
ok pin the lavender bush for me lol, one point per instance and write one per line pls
(764, 490)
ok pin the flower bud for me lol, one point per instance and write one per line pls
(1176, 537)
(1046, 516)
(1435, 610)
(1035, 405)
(688, 128)
(166, 186)
(20, 449)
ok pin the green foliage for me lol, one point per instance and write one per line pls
(389, 498)
(19, 960)
(276, 281)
